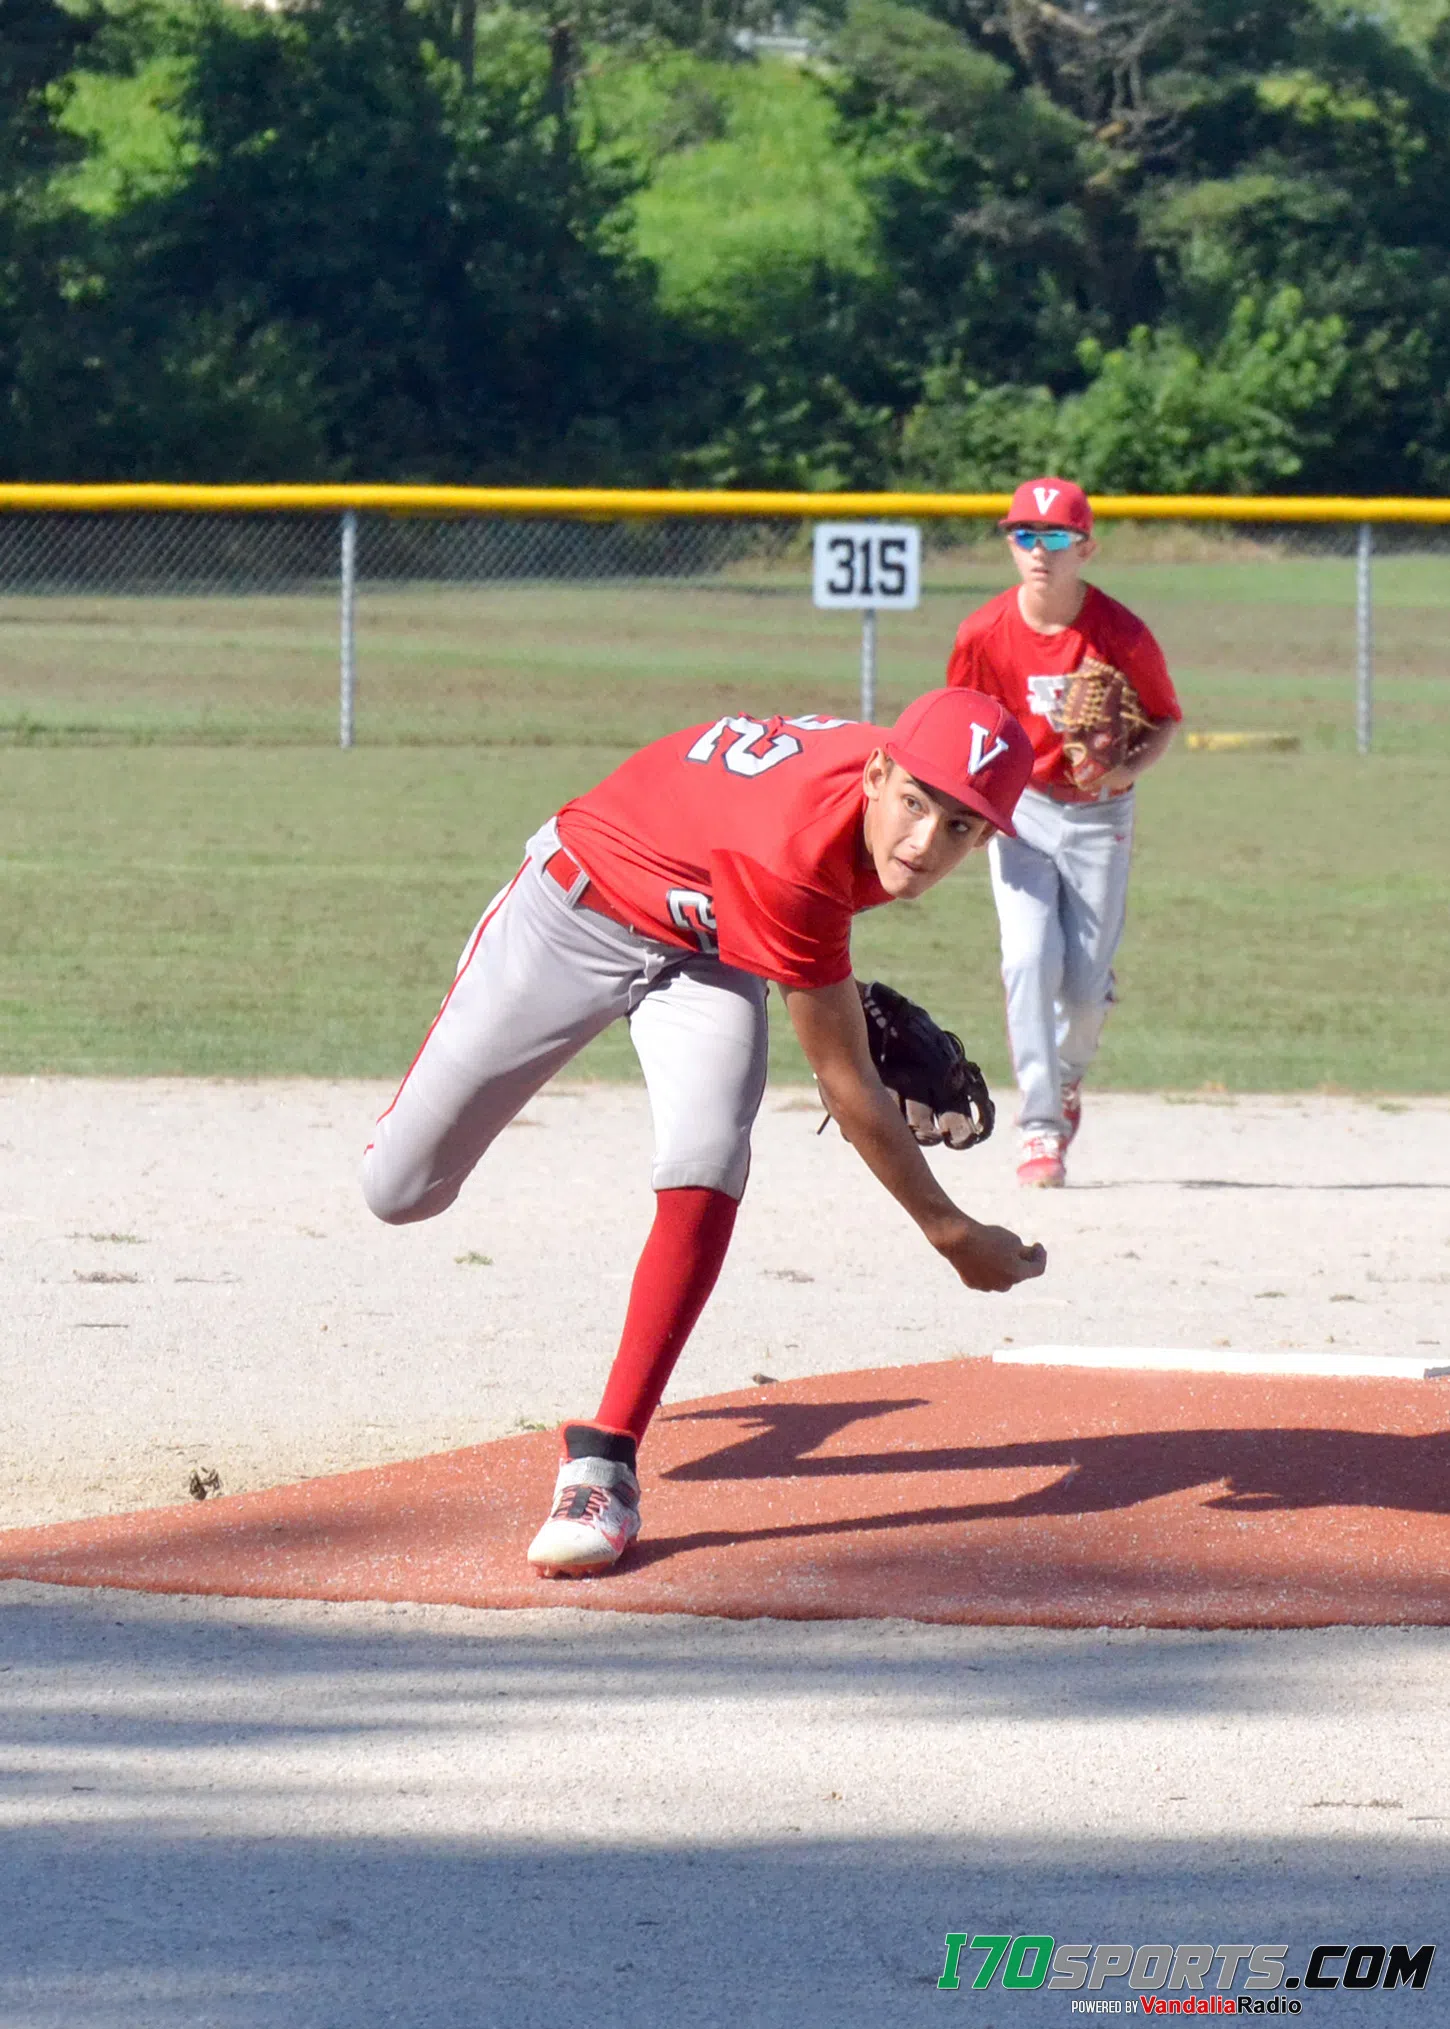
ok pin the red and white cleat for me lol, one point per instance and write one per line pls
(1040, 1163)
(594, 1519)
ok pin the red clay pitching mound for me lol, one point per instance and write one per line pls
(959, 1491)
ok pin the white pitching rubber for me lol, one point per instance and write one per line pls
(1188, 1360)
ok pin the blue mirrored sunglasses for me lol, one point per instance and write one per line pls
(1050, 539)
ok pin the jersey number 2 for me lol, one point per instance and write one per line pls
(741, 757)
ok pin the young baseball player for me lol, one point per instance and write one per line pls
(1061, 884)
(712, 862)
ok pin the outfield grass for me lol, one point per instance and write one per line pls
(1253, 643)
(244, 910)
(193, 880)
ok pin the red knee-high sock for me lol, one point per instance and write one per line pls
(682, 1257)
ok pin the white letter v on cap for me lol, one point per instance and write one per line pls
(1044, 496)
(979, 760)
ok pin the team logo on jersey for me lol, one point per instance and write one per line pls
(983, 756)
(1044, 697)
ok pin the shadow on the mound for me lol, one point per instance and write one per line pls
(1259, 1471)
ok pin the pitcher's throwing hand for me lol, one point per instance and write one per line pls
(991, 1257)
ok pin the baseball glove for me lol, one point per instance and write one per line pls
(1103, 721)
(939, 1089)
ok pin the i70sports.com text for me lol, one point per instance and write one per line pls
(1177, 1979)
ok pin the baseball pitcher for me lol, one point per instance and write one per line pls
(711, 863)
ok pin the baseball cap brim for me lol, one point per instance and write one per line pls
(919, 768)
(965, 748)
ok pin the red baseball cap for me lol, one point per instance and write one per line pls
(1051, 503)
(965, 745)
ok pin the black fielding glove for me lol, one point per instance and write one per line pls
(939, 1089)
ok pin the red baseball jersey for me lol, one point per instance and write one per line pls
(997, 652)
(741, 838)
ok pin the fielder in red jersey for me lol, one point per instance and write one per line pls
(998, 651)
(711, 863)
(1061, 885)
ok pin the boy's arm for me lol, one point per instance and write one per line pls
(832, 1031)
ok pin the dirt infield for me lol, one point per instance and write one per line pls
(243, 1811)
(196, 1284)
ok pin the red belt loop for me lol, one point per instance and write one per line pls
(565, 870)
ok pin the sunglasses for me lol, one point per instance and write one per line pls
(1048, 539)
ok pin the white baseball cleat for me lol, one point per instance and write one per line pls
(594, 1519)
(1040, 1163)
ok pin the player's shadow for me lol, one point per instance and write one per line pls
(785, 1435)
(1242, 1471)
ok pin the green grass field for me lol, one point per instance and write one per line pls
(1253, 642)
(251, 910)
(194, 882)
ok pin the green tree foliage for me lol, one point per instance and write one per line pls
(39, 45)
(996, 223)
(764, 245)
(1228, 150)
(1162, 243)
(369, 266)
(1155, 417)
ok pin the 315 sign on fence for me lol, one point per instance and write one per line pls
(867, 564)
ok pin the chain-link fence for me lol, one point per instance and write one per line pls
(608, 628)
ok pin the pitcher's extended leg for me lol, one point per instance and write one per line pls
(701, 1039)
(681, 1261)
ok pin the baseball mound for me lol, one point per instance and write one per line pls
(960, 1491)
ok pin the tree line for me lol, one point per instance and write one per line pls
(1169, 245)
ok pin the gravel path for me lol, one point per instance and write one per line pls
(220, 1813)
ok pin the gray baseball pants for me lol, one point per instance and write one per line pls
(540, 976)
(1061, 888)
